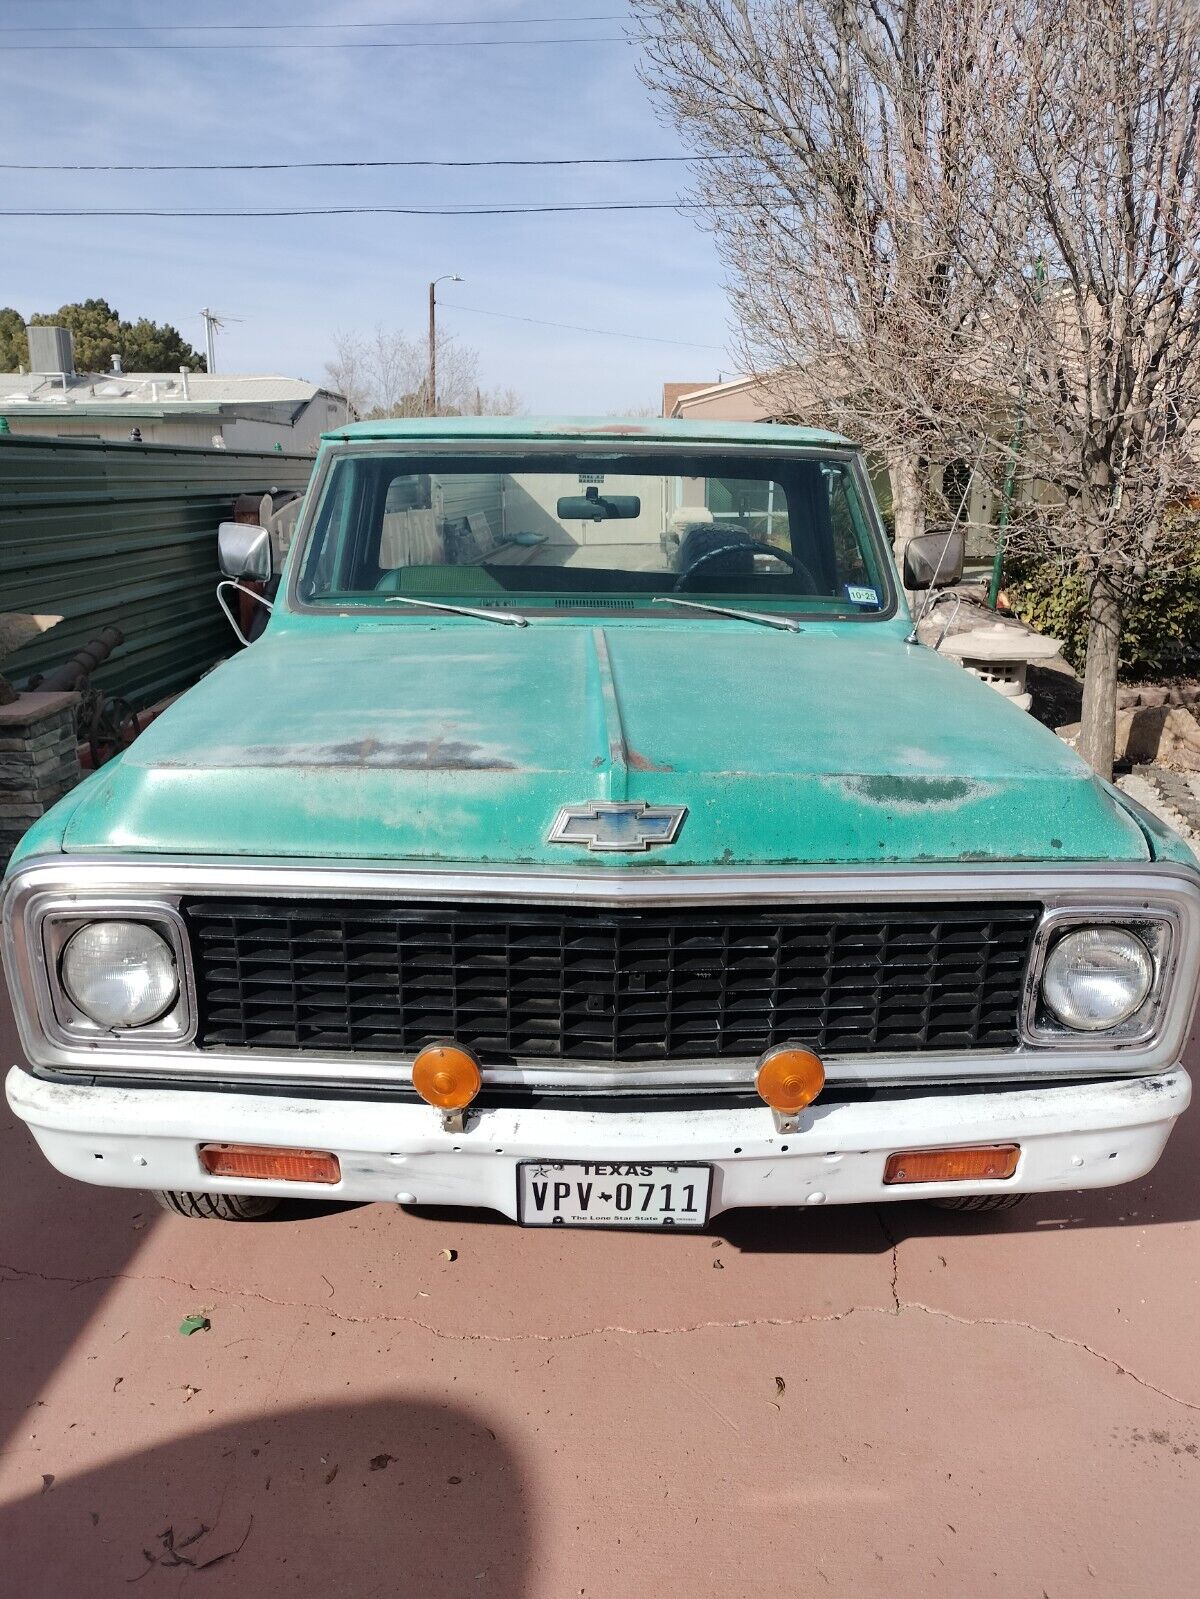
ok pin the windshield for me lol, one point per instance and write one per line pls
(790, 532)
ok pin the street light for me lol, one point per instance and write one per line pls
(447, 277)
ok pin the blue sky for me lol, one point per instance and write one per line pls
(294, 282)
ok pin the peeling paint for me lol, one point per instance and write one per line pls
(372, 754)
(325, 741)
(908, 793)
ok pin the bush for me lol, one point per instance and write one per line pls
(1161, 636)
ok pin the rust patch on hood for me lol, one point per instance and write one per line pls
(637, 762)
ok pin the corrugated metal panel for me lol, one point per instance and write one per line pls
(481, 493)
(104, 532)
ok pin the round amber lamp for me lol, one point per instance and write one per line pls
(447, 1076)
(789, 1078)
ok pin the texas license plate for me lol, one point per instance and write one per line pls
(584, 1193)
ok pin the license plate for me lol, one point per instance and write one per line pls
(584, 1193)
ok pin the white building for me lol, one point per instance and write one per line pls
(234, 411)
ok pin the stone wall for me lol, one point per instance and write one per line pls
(39, 762)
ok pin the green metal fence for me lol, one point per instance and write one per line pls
(99, 532)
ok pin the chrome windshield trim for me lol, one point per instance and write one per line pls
(1144, 890)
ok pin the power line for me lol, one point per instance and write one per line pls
(313, 166)
(300, 27)
(377, 210)
(577, 327)
(335, 44)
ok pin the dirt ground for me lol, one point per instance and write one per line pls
(861, 1402)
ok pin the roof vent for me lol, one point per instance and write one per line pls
(116, 361)
(51, 351)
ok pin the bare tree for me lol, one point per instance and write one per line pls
(862, 233)
(385, 373)
(1107, 327)
(941, 216)
(346, 369)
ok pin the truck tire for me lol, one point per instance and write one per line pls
(217, 1207)
(979, 1201)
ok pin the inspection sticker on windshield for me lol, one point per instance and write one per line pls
(586, 1193)
(861, 596)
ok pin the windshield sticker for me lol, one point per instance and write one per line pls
(861, 596)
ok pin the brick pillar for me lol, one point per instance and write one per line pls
(38, 761)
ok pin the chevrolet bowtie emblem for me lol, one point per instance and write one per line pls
(606, 825)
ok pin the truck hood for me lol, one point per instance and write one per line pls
(455, 740)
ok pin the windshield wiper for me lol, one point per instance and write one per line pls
(509, 618)
(767, 618)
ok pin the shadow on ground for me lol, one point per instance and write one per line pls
(51, 1228)
(410, 1500)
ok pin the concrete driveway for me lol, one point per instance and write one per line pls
(862, 1402)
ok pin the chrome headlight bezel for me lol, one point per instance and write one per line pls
(1158, 930)
(66, 1023)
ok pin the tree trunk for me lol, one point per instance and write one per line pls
(1098, 720)
(908, 506)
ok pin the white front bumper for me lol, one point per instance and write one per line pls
(1087, 1135)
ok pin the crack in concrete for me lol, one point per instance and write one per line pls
(893, 1244)
(900, 1307)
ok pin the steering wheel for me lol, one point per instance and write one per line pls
(786, 556)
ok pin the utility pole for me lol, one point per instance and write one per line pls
(445, 278)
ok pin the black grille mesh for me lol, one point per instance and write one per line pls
(607, 985)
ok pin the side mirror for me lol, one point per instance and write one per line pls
(934, 561)
(244, 551)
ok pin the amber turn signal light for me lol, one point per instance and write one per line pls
(284, 1165)
(446, 1076)
(990, 1162)
(789, 1078)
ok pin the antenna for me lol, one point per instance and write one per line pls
(212, 321)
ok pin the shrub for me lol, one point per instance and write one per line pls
(1161, 635)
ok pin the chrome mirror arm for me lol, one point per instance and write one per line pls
(232, 583)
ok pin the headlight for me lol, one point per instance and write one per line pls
(120, 974)
(1097, 977)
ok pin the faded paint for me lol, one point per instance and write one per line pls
(1072, 1136)
(543, 430)
(914, 794)
(439, 754)
(472, 737)
(447, 740)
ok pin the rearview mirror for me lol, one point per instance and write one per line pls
(598, 508)
(244, 550)
(934, 560)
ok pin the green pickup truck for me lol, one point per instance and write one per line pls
(588, 837)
